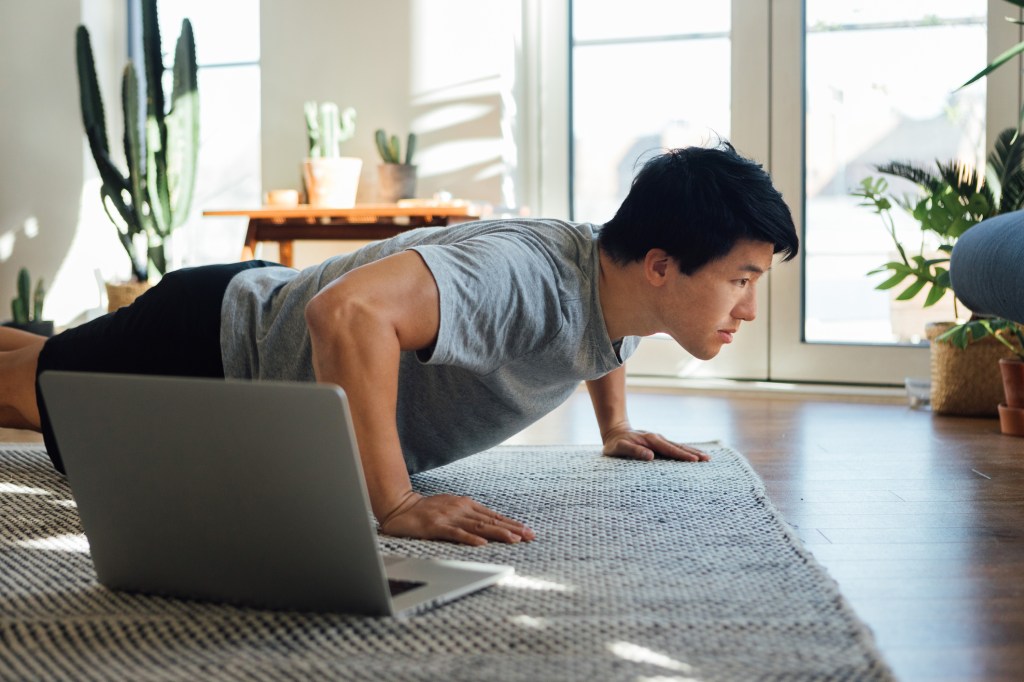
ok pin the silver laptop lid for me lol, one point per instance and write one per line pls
(250, 492)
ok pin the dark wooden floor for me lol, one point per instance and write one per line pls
(919, 518)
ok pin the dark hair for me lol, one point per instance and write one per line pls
(696, 203)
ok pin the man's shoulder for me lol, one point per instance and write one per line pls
(560, 238)
(553, 227)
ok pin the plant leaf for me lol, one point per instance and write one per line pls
(893, 281)
(959, 335)
(909, 171)
(935, 295)
(996, 63)
(912, 291)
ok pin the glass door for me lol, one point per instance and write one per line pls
(856, 85)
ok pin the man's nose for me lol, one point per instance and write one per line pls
(746, 309)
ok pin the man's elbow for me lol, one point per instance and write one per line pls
(340, 311)
(326, 312)
(317, 314)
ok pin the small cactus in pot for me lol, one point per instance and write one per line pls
(390, 149)
(395, 180)
(331, 179)
(27, 306)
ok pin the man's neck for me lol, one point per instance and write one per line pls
(622, 298)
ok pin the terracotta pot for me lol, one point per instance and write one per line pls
(395, 181)
(1013, 381)
(1011, 420)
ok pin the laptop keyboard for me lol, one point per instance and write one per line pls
(397, 587)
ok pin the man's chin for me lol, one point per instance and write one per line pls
(705, 353)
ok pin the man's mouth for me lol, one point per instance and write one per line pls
(725, 335)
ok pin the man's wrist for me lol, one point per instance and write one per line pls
(615, 429)
(404, 503)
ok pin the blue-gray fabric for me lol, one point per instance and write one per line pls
(521, 325)
(987, 267)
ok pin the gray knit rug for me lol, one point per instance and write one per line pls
(641, 571)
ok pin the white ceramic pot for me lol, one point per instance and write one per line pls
(332, 182)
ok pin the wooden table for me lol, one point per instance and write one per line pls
(285, 225)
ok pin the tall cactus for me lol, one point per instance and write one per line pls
(153, 198)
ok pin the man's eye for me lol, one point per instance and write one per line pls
(743, 282)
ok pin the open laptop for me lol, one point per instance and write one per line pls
(244, 492)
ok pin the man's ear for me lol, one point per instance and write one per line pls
(658, 265)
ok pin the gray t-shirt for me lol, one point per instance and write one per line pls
(521, 326)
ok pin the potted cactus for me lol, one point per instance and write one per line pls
(154, 197)
(27, 307)
(395, 179)
(331, 179)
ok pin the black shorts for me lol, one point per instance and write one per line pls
(172, 329)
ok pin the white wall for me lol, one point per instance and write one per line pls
(446, 69)
(51, 220)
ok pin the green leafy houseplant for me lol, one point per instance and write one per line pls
(952, 200)
(1004, 331)
(154, 197)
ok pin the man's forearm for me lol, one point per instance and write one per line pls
(608, 396)
(361, 355)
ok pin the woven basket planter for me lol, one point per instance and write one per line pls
(121, 294)
(967, 381)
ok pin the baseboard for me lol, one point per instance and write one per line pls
(774, 389)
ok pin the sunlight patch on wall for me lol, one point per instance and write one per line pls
(30, 228)
(6, 246)
(457, 155)
(94, 254)
(463, 95)
(449, 115)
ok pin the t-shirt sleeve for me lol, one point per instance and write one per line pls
(499, 300)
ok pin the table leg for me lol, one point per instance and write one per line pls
(285, 252)
(249, 248)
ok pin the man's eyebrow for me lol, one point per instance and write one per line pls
(750, 267)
